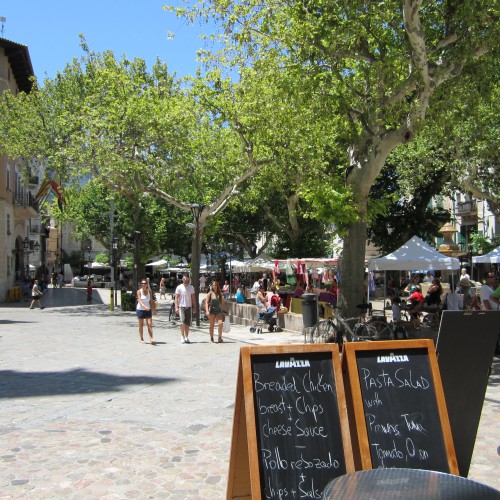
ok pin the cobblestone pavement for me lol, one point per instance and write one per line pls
(87, 411)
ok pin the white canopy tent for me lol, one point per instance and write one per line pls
(415, 254)
(262, 263)
(492, 257)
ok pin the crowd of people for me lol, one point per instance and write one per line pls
(465, 296)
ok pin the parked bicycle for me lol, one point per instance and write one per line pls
(365, 327)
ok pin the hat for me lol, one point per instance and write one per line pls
(465, 282)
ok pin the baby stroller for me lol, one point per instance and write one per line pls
(268, 317)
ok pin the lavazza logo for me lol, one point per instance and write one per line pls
(393, 358)
(293, 363)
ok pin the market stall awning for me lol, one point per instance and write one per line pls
(415, 254)
(492, 257)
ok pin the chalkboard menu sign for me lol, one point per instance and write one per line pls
(296, 422)
(398, 402)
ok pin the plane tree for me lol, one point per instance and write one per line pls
(137, 132)
(376, 65)
(456, 153)
(164, 229)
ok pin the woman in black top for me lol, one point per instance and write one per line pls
(434, 293)
(213, 308)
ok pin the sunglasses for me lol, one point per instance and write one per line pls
(143, 283)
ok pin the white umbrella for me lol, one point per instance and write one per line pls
(97, 265)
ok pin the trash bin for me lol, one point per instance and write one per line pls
(309, 309)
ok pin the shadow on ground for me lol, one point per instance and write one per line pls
(14, 384)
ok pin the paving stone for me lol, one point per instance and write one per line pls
(88, 412)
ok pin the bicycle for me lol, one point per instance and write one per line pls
(338, 329)
(172, 315)
(384, 331)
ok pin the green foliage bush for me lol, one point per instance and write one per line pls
(128, 302)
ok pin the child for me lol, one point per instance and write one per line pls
(396, 309)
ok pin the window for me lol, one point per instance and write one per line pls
(8, 225)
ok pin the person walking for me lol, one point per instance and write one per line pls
(185, 306)
(467, 294)
(145, 309)
(213, 308)
(36, 295)
(203, 283)
(226, 290)
(163, 289)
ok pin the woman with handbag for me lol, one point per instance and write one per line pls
(213, 308)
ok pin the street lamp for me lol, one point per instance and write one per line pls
(89, 261)
(114, 267)
(137, 236)
(28, 251)
(230, 247)
(196, 210)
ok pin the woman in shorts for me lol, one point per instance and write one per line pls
(213, 308)
(145, 310)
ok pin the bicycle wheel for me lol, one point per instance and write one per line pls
(171, 314)
(382, 330)
(325, 331)
(363, 331)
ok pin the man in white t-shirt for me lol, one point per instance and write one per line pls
(185, 306)
(255, 289)
(463, 274)
(487, 304)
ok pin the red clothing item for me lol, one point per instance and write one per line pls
(416, 297)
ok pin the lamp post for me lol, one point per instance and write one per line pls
(114, 267)
(112, 291)
(28, 251)
(230, 247)
(89, 262)
(137, 236)
(196, 210)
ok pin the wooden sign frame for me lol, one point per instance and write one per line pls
(356, 410)
(244, 479)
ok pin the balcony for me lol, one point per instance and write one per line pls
(468, 207)
(25, 206)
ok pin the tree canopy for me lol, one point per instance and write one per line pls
(375, 66)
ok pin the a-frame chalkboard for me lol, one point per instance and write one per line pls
(290, 430)
(395, 397)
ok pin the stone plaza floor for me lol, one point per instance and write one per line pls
(87, 411)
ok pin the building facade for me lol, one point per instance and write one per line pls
(22, 242)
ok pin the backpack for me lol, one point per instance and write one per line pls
(214, 306)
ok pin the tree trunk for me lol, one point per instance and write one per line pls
(352, 287)
(195, 264)
(361, 179)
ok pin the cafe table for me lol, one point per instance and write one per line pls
(406, 484)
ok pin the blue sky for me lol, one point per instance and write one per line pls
(50, 29)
